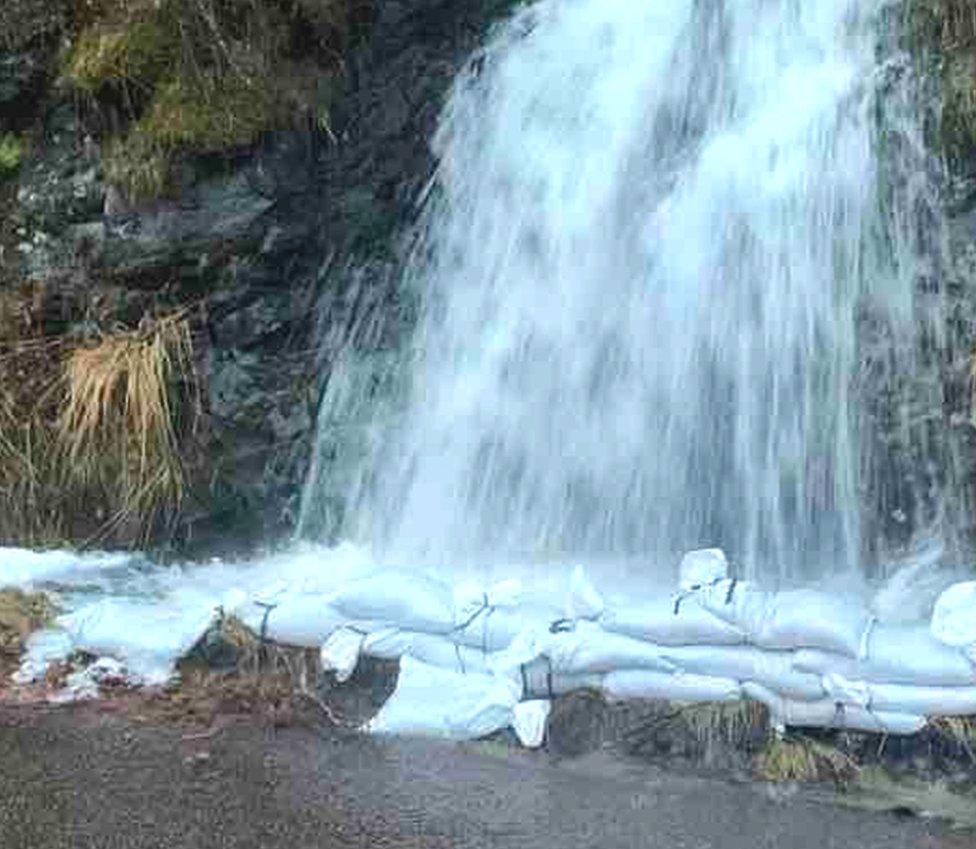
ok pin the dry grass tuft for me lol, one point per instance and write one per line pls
(201, 698)
(32, 499)
(960, 730)
(805, 760)
(21, 613)
(731, 723)
(273, 682)
(90, 436)
(119, 428)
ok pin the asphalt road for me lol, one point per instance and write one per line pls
(103, 783)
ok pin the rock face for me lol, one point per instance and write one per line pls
(282, 248)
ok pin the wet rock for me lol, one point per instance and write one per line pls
(220, 215)
(22, 74)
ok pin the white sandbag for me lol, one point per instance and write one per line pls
(536, 680)
(738, 604)
(670, 621)
(471, 598)
(812, 619)
(896, 654)
(589, 648)
(928, 701)
(580, 648)
(847, 691)
(829, 714)
(529, 722)
(583, 600)
(340, 653)
(494, 629)
(771, 668)
(432, 649)
(148, 637)
(411, 601)
(41, 649)
(296, 619)
(792, 619)
(954, 616)
(701, 568)
(826, 663)
(679, 687)
(439, 703)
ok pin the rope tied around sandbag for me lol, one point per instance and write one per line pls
(267, 607)
(263, 632)
(486, 608)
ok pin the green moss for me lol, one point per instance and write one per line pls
(11, 155)
(202, 76)
(138, 54)
(208, 114)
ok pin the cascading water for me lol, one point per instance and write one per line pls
(642, 263)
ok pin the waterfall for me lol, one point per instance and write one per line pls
(653, 234)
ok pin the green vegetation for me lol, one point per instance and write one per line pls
(803, 759)
(137, 55)
(90, 431)
(200, 76)
(158, 79)
(11, 154)
(943, 34)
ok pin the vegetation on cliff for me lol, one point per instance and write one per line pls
(11, 152)
(943, 33)
(90, 444)
(200, 75)
(99, 386)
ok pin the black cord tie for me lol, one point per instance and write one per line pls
(263, 635)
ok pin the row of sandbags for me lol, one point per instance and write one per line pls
(816, 659)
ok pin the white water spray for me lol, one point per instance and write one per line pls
(642, 260)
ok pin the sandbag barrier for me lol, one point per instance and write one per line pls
(814, 659)
(476, 659)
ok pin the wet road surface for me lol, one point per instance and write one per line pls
(104, 783)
